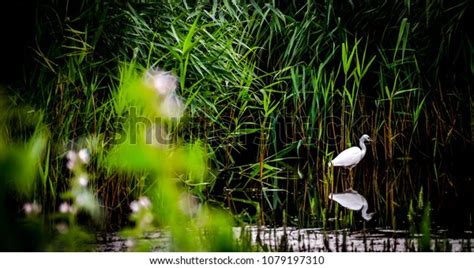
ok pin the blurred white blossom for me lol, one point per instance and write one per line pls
(135, 206)
(65, 208)
(32, 208)
(84, 156)
(75, 158)
(71, 160)
(142, 203)
(164, 82)
(172, 106)
(83, 180)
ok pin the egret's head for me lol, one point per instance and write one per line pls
(365, 138)
(368, 216)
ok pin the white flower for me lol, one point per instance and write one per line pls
(172, 106)
(65, 208)
(72, 160)
(28, 208)
(32, 208)
(135, 206)
(71, 155)
(84, 156)
(83, 180)
(70, 165)
(144, 202)
(164, 82)
(81, 157)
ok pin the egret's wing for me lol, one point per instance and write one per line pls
(351, 200)
(348, 157)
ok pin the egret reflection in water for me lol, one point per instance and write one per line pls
(354, 201)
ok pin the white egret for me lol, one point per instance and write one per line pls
(350, 157)
(354, 201)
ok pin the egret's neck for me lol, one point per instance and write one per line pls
(365, 215)
(362, 147)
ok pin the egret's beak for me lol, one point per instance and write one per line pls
(369, 139)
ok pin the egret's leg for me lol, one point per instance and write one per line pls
(331, 178)
(351, 182)
(336, 180)
(348, 183)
